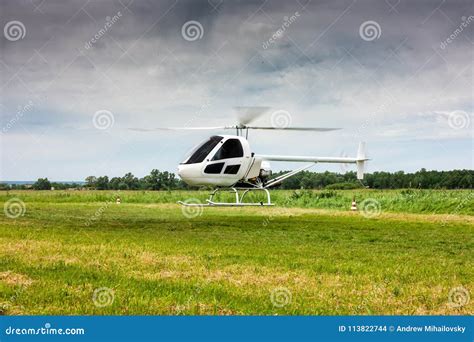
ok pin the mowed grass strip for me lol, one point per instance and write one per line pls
(154, 260)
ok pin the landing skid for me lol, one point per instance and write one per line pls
(239, 200)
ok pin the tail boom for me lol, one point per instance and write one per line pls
(359, 160)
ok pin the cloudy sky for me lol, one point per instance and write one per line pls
(75, 75)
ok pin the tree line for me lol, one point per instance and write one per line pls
(423, 179)
(164, 180)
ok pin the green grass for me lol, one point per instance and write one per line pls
(402, 201)
(230, 260)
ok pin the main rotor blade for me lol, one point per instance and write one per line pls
(315, 129)
(245, 115)
(177, 128)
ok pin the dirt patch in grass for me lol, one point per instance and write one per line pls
(15, 279)
(149, 258)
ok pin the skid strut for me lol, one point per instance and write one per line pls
(239, 199)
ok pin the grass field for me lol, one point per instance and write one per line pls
(80, 253)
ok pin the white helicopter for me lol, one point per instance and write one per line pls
(228, 163)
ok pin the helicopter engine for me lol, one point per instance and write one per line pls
(265, 171)
(259, 172)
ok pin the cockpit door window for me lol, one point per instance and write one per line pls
(215, 168)
(232, 148)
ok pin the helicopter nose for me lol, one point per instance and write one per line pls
(186, 172)
(190, 173)
(182, 171)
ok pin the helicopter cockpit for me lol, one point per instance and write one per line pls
(221, 158)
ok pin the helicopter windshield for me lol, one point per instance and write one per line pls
(202, 150)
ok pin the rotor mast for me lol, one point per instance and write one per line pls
(240, 131)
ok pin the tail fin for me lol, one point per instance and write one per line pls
(361, 159)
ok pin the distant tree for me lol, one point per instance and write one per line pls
(152, 181)
(42, 184)
(115, 182)
(102, 183)
(131, 181)
(157, 180)
(122, 186)
(59, 186)
(91, 181)
(168, 180)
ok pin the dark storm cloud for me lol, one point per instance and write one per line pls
(305, 57)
